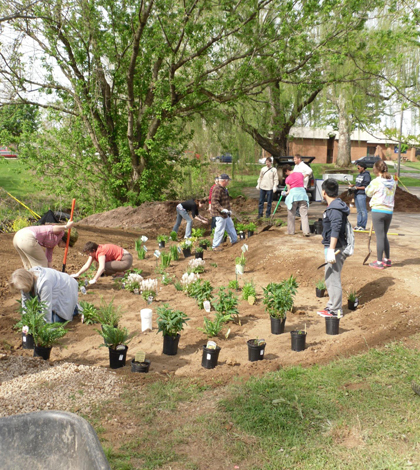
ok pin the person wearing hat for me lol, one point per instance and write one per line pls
(213, 219)
(220, 209)
(267, 184)
(29, 242)
(362, 181)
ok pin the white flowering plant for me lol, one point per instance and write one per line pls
(188, 278)
(133, 281)
(186, 244)
(196, 266)
(149, 288)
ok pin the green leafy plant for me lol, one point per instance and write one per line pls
(167, 279)
(165, 260)
(248, 290)
(178, 286)
(162, 238)
(240, 227)
(173, 236)
(320, 285)
(214, 265)
(199, 249)
(114, 337)
(198, 232)
(48, 334)
(170, 322)
(251, 227)
(205, 242)
(174, 252)
(201, 291)
(279, 298)
(32, 314)
(186, 244)
(140, 248)
(213, 328)
(90, 313)
(227, 304)
(352, 295)
(241, 260)
(233, 284)
(108, 314)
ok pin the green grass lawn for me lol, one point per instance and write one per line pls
(16, 179)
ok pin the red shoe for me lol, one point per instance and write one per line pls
(387, 263)
(325, 313)
(377, 265)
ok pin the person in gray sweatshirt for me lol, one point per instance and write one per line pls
(333, 238)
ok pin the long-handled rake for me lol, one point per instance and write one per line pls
(370, 239)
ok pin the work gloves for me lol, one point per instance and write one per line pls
(330, 256)
(225, 211)
(284, 193)
(92, 281)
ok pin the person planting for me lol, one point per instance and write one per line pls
(29, 242)
(362, 181)
(267, 184)
(110, 259)
(182, 213)
(296, 199)
(220, 208)
(382, 191)
(57, 290)
(333, 238)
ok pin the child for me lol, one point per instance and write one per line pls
(333, 238)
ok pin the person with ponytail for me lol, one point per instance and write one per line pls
(382, 193)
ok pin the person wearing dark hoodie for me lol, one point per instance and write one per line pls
(382, 191)
(333, 238)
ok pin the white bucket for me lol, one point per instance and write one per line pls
(146, 319)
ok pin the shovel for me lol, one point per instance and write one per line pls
(271, 218)
(324, 264)
(370, 238)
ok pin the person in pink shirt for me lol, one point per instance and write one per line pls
(30, 241)
(296, 199)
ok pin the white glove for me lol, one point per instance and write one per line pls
(275, 189)
(69, 224)
(224, 211)
(92, 281)
(74, 276)
(330, 256)
(258, 187)
(283, 193)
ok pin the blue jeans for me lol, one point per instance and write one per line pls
(362, 215)
(222, 225)
(57, 319)
(183, 214)
(263, 194)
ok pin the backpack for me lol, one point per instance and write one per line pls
(349, 249)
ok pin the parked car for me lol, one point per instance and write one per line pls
(369, 160)
(225, 158)
(279, 162)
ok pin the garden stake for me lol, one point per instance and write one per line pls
(271, 218)
(73, 203)
(370, 238)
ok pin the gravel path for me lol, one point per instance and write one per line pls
(29, 384)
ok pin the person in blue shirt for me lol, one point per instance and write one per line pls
(362, 182)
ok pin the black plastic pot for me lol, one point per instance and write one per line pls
(242, 235)
(203, 246)
(332, 325)
(255, 352)
(162, 244)
(210, 357)
(312, 228)
(187, 252)
(319, 292)
(352, 305)
(140, 366)
(250, 233)
(298, 340)
(27, 341)
(42, 352)
(170, 345)
(318, 226)
(199, 255)
(117, 357)
(277, 325)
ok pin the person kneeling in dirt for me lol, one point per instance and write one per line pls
(29, 240)
(296, 199)
(58, 290)
(220, 208)
(333, 238)
(182, 213)
(111, 259)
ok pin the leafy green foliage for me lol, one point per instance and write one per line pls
(251, 227)
(32, 314)
(170, 322)
(114, 337)
(278, 298)
(227, 304)
(90, 313)
(174, 252)
(198, 232)
(48, 334)
(162, 238)
(213, 328)
(248, 290)
(165, 260)
(233, 285)
(140, 248)
(320, 285)
(173, 236)
(201, 291)
(108, 314)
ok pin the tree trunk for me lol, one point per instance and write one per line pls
(344, 131)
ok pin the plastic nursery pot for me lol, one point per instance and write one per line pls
(42, 352)
(199, 255)
(312, 228)
(318, 226)
(332, 325)
(255, 352)
(298, 340)
(250, 233)
(27, 341)
(117, 357)
(277, 325)
(319, 292)
(162, 244)
(210, 357)
(170, 345)
(203, 246)
(352, 305)
(242, 235)
(140, 366)
(187, 252)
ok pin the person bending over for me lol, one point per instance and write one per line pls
(182, 210)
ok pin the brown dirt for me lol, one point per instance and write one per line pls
(388, 311)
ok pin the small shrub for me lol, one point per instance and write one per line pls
(174, 252)
(213, 328)
(170, 322)
(90, 313)
(198, 232)
(201, 291)
(320, 285)
(248, 290)
(233, 285)
(227, 304)
(173, 236)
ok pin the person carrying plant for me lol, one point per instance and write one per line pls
(382, 191)
(220, 208)
(58, 290)
(29, 242)
(182, 209)
(213, 219)
(362, 181)
(296, 199)
(267, 184)
(333, 238)
(111, 259)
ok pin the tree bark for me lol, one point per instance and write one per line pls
(344, 131)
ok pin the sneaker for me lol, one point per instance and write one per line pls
(376, 265)
(325, 313)
(218, 248)
(358, 229)
(386, 263)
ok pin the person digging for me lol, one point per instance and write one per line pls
(182, 210)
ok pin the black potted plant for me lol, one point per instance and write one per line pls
(298, 339)
(32, 316)
(46, 336)
(240, 228)
(116, 340)
(251, 227)
(199, 252)
(204, 244)
(278, 299)
(352, 299)
(162, 239)
(170, 323)
(320, 288)
(256, 349)
(140, 363)
(186, 248)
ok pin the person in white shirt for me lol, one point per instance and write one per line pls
(267, 184)
(302, 167)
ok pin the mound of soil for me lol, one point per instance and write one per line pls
(404, 201)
